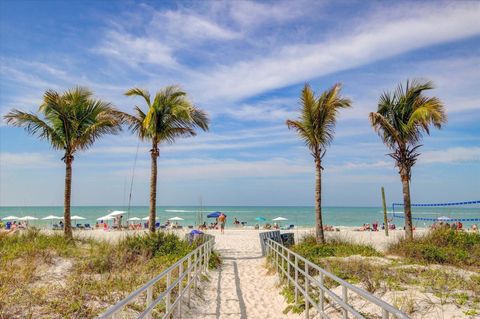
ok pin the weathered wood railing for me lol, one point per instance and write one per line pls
(308, 280)
(179, 279)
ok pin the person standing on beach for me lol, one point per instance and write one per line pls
(222, 219)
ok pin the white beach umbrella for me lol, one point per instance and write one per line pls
(134, 218)
(443, 218)
(176, 218)
(28, 218)
(147, 218)
(279, 219)
(76, 217)
(10, 218)
(108, 217)
(117, 213)
(52, 217)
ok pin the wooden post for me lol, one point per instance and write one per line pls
(385, 219)
(189, 282)
(307, 305)
(345, 299)
(322, 293)
(169, 281)
(149, 300)
(296, 280)
(180, 290)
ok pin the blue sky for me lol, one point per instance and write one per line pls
(244, 63)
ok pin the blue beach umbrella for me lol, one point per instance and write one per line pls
(196, 232)
(214, 215)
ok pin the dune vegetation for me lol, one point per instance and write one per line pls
(436, 274)
(48, 276)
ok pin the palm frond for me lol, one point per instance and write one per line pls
(139, 92)
(318, 116)
(34, 126)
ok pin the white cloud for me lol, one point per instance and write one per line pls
(136, 50)
(451, 155)
(210, 169)
(251, 14)
(9, 160)
(376, 40)
(274, 110)
(187, 26)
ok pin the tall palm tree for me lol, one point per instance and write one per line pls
(316, 127)
(71, 121)
(401, 119)
(169, 115)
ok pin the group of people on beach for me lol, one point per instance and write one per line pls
(220, 221)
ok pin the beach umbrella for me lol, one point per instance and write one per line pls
(147, 218)
(443, 218)
(214, 215)
(279, 219)
(108, 217)
(10, 218)
(176, 218)
(28, 218)
(134, 219)
(117, 213)
(52, 217)
(196, 232)
(75, 217)
(260, 219)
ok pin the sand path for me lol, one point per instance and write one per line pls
(241, 288)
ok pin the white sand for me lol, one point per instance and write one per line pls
(241, 288)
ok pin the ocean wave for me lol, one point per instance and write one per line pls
(179, 211)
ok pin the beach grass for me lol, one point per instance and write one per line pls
(49, 276)
(411, 280)
(441, 246)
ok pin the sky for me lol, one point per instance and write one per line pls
(244, 63)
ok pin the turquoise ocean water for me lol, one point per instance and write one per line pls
(299, 216)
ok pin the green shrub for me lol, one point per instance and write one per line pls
(441, 246)
(314, 252)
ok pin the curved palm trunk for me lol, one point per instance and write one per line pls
(407, 206)
(318, 202)
(153, 187)
(67, 229)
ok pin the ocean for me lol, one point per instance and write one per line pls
(299, 216)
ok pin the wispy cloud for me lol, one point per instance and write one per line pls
(136, 50)
(451, 155)
(376, 40)
(27, 160)
(184, 26)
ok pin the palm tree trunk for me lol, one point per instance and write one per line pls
(153, 187)
(407, 206)
(318, 202)
(67, 228)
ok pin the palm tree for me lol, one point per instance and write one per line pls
(401, 119)
(169, 116)
(316, 127)
(71, 121)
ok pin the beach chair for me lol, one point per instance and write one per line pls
(80, 226)
(55, 227)
(8, 226)
(87, 226)
(190, 226)
(157, 225)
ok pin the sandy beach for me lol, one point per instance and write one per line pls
(248, 238)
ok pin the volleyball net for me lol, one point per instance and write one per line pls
(467, 211)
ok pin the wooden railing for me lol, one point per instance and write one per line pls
(308, 279)
(179, 279)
